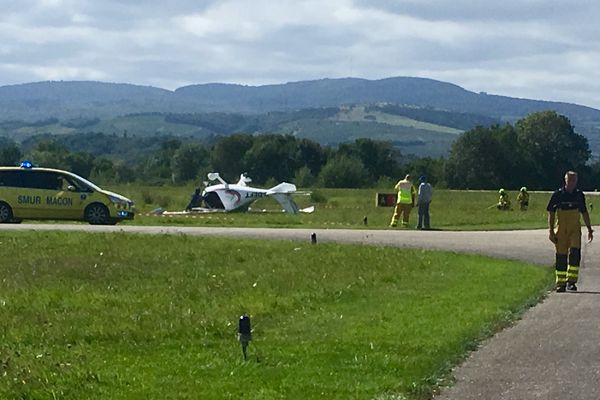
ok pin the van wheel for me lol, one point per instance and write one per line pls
(6, 214)
(97, 214)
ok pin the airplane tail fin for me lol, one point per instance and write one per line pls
(285, 200)
(282, 193)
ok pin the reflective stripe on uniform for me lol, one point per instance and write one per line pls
(572, 273)
(561, 277)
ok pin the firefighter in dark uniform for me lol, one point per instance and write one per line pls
(565, 205)
(195, 201)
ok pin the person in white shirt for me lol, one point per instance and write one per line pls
(425, 193)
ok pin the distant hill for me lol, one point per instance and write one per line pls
(95, 103)
(412, 130)
(400, 90)
(70, 99)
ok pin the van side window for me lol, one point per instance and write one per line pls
(47, 180)
(15, 178)
(77, 184)
(41, 180)
(10, 179)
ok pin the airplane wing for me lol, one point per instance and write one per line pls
(195, 210)
(283, 187)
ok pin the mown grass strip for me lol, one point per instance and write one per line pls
(450, 210)
(124, 316)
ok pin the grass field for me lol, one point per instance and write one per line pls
(155, 317)
(358, 114)
(346, 208)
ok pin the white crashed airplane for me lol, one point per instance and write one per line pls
(238, 197)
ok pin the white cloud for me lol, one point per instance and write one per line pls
(67, 73)
(41, 72)
(529, 48)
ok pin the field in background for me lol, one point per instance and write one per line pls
(374, 114)
(325, 126)
(124, 316)
(346, 208)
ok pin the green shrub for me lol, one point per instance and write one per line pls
(163, 201)
(304, 178)
(147, 197)
(318, 197)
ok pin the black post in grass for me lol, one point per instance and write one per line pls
(245, 333)
(313, 238)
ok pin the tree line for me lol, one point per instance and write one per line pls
(266, 158)
(534, 152)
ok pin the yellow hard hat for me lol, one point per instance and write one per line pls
(523, 189)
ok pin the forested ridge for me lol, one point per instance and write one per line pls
(534, 152)
(302, 109)
(330, 132)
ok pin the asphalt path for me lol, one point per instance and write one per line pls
(553, 352)
(528, 245)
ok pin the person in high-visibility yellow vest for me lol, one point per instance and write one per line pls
(565, 205)
(523, 199)
(405, 202)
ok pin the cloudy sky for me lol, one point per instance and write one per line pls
(542, 49)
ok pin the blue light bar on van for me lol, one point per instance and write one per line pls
(26, 164)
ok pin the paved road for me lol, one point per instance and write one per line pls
(520, 245)
(552, 353)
